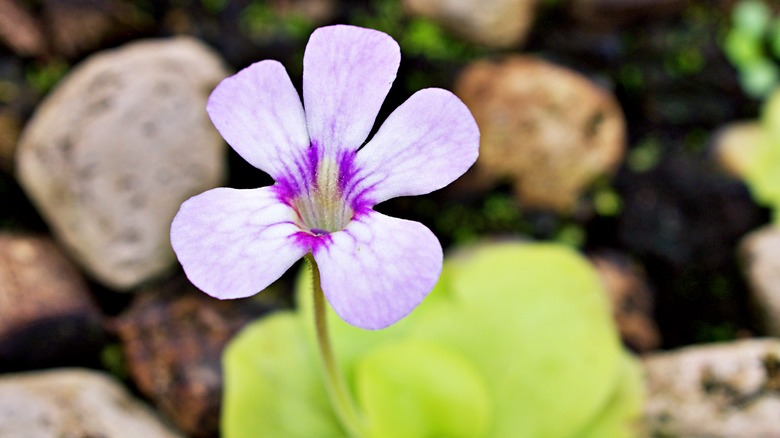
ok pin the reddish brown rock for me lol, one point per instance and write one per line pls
(10, 127)
(611, 13)
(632, 300)
(47, 317)
(760, 254)
(547, 130)
(77, 27)
(172, 337)
(19, 30)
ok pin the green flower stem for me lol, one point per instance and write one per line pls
(334, 381)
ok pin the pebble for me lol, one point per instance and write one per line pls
(172, 338)
(718, 391)
(546, 129)
(492, 23)
(114, 150)
(632, 300)
(74, 403)
(760, 254)
(734, 146)
(47, 316)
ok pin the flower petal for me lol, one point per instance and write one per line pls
(347, 73)
(425, 144)
(259, 113)
(378, 269)
(234, 243)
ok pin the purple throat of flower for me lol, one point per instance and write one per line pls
(326, 198)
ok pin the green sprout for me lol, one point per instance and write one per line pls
(752, 44)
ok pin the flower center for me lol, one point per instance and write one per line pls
(323, 209)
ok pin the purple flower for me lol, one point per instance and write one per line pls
(374, 268)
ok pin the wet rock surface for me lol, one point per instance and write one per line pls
(47, 316)
(110, 155)
(720, 390)
(74, 403)
(760, 254)
(172, 338)
(493, 23)
(547, 130)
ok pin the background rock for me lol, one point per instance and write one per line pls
(760, 253)
(612, 13)
(548, 130)
(493, 23)
(632, 300)
(73, 403)
(10, 127)
(172, 338)
(19, 30)
(46, 315)
(734, 145)
(117, 147)
(719, 390)
(78, 26)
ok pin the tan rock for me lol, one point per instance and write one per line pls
(760, 254)
(73, 403)
(116, 148)
(493, 23)
(735, 144)
(44, 301)
(720, 390)
(546, 129)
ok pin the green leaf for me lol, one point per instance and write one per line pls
(415, 389)
(535, 320)
(620, 417)
(273, 384)
(762, 170)
(518, 334)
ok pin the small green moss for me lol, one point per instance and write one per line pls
(645, 155)
(43, 77)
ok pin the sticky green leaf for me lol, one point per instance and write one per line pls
(415, 389)
(515, 340)
(762, 170)
(620, 417)
(273, 384)
(534, 319)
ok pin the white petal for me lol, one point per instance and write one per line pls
(378, 269)
(347, 73)
(425, 144)
(234, 243)
(259, 113)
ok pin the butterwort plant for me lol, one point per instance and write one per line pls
(373, 269)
